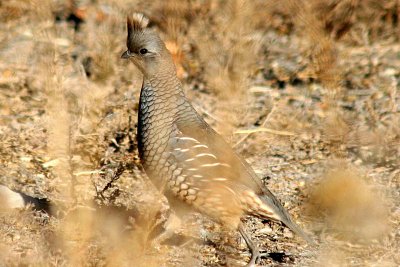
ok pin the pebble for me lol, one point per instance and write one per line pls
(265, 230)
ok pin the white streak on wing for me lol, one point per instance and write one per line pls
(182, 150)
(219, 179)
(215, 164)
(206, 155)
(189, 159)
(198, 176)
(188, 139)
(199, 146)
(192, 169)
(211, 165)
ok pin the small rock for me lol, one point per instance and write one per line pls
(265, 230)
(287, 233)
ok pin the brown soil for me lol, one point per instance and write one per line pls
(308, 92)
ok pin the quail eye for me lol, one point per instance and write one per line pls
(143, 51)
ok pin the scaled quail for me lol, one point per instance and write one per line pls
(183, 156)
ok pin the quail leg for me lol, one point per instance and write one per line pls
(254, 249)
(166, 227)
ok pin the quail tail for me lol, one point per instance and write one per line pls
(285, 218)
(297, 230)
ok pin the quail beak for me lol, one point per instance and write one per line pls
(126, 55)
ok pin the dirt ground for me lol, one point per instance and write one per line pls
(307, 91)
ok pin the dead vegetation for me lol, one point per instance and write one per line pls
(309, 87)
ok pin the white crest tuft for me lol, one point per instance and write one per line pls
(137, 22)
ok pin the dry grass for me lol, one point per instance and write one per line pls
(310, 86)
(352, 208)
